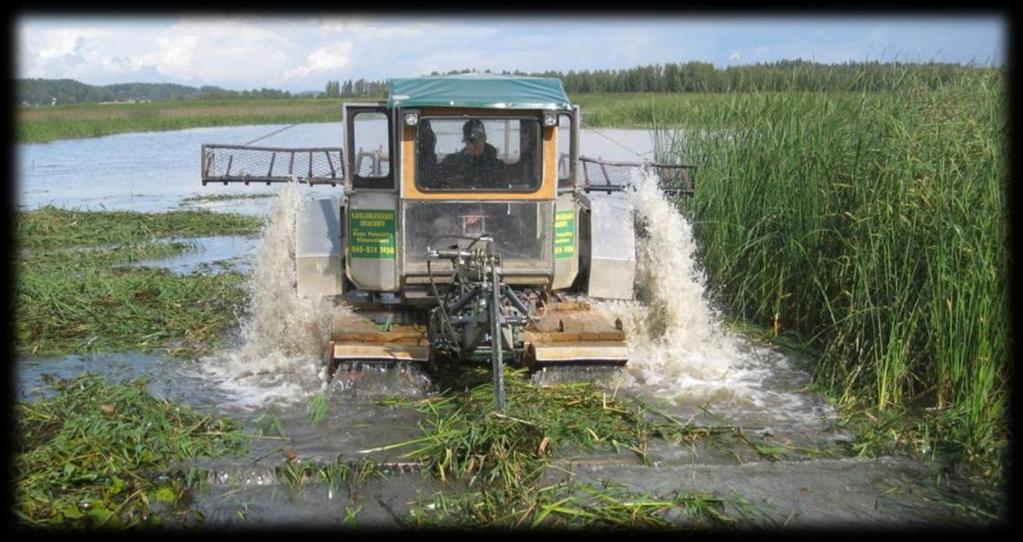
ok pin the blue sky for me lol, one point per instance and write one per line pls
(296, 54)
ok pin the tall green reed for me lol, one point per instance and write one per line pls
(871, 226)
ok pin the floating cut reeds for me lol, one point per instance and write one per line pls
(505, 455)
(71, 297)
(570, 505)
(96, 454)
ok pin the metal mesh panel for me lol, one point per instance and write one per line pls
(616, 176)
(239, 163)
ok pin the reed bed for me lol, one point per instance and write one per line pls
(207, 198)
(873, 228)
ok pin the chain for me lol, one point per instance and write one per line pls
(598, 132)
(275, 132)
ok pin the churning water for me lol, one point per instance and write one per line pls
(283, 336)
(679, 350)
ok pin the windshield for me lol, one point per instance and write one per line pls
(478, 154)
(522, 231)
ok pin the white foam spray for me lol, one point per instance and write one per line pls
(678, 347)
(283, 336)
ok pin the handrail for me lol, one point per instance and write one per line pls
(224, 163)
(612, 176)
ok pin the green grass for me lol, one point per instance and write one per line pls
(637, 110)
(98, 454)
(74, 296)
(871, 228)
(41, 124)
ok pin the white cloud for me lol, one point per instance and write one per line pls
(175, 54)
(203, 51)
(303, 53)
(323, 60)
(66, 41)
(245, 52)
(76, 53)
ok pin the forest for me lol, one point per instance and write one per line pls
(702, 77)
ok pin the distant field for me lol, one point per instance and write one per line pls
(42, 123)
(641, 110)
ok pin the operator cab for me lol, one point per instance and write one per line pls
(467, 156)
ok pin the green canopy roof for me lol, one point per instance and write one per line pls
(496, 91)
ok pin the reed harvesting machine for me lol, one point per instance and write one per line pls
(468, 229)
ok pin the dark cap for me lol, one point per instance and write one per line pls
(473, 130)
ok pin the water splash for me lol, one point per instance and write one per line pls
(368, 380)
(678, 347)
(679, 350)
(283, 336)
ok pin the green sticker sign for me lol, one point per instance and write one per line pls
(371, 233)
(564, 234)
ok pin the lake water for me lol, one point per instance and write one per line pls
(157, 171)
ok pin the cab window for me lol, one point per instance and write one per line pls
(478, 154)
(372, 158)
(565, 169)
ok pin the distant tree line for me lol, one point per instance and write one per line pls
(69, 91)
(784, 75)
(351, 89)
(263, 93)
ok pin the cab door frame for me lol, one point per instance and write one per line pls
(352, 181)
(373, 269)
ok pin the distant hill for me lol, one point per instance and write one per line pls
(69, 91)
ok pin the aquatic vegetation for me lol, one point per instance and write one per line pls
(504, 457)
(570, 505)
(98, 455)
(73, 295)
(871, 228)
(55, 227)
(225, 197)
(296, 474)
